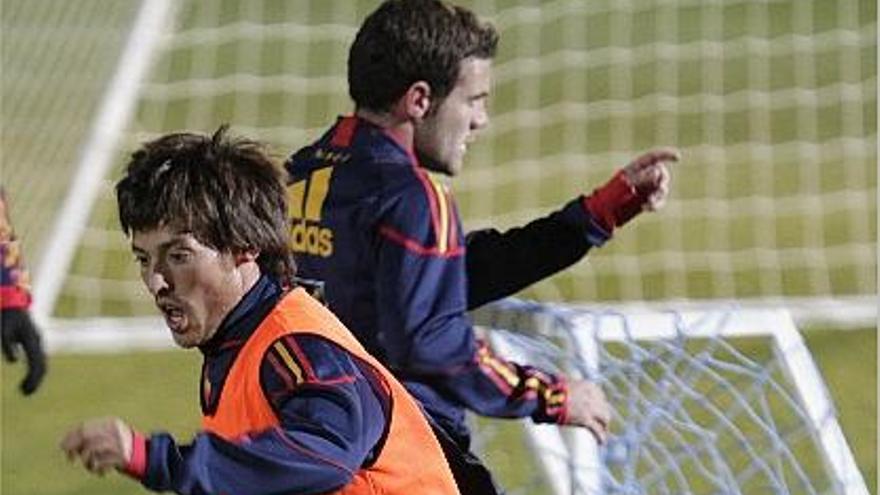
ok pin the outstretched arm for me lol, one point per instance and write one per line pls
(551, 243)
(502, 263)
(331, 418)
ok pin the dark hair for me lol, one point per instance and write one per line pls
(405, 41)
(227, 192)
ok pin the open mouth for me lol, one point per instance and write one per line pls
(174, 316)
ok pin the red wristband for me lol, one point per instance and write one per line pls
(615, 203)
(137, 464)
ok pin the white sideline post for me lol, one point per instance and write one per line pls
(802, 371)
(587, 469)
(106, 335)
(545, 438)
(113, 117)
(572, 467)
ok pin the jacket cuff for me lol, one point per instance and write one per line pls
(552, 402)
(137, 464)
(576, 214)
(562, 412)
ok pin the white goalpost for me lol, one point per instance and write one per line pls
(99, 151)
(693, 413)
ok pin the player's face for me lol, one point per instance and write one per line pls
(443, 136)
(194, 286)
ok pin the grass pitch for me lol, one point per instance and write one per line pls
(159, 390)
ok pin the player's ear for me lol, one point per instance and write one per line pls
(416, 102)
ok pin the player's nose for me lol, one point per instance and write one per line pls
(156, 282)
(480, 119)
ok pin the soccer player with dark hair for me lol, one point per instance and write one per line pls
(16, 326)
(291, 402)
(385, 236)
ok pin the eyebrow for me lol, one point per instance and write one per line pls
(162, 247)
(479, 96)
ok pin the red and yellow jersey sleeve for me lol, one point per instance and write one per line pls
(14, 277)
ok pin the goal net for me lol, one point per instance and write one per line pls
(724, 401)
(773, 104)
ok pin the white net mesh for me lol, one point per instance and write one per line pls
(57, 58)
(717, 402)
(773, 104)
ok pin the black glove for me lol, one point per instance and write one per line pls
(17, 329)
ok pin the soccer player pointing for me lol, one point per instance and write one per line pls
(291, 402)
(385, 236)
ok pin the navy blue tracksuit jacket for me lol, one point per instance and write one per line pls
(387, 240)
